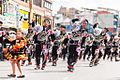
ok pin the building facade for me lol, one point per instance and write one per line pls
(67, 12)
(21, 10)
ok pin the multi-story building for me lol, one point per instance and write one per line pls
(67, 12)
(63, 11)
(41, 9)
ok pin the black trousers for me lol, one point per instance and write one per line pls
(29, 57)
(107, 52)
(93, 54)
(87, 50)
(1, 56)
(54, 56)
(38, 54)
(64, 52)
(72, 59)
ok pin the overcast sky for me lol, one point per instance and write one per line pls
(114, 4)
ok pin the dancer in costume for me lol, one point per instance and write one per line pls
(54, 53)
(72, 56)
(2, 35)
(14, 50)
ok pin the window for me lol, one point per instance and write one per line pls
(47, 4)
(37, 2)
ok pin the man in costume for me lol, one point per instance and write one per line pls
(54, 53)
(39, 38)
(72, 56)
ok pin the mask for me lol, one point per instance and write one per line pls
(12, 35)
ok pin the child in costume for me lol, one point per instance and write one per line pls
(14, 50)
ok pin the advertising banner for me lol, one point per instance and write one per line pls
(7, 22)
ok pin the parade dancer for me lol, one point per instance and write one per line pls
(99, 52)
(107, 50)
(54, 53)
(89, 44)
(95, 51)
(44, 56)
(115, 49)
(2, 35)
(38, 50)
(28, 52)
(72, 55)
(83, 42)
(50, 41)
(65, 46)
(14, 49)
(39, 38)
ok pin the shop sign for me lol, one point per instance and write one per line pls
(24, 12)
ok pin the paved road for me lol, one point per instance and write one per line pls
(106, 70)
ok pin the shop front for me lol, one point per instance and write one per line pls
(37, 18)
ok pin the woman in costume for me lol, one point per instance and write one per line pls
(14, 50)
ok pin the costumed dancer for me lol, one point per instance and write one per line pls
(2, 35)
(50, 41)
(28, 52)
(99, 52)
(115, 49)
(38, 40)
(14, 49)
(107, 50)
(95, 51)
(89, 45)
(54, 53)
(83, 41)
(65, 46)
(44, 56)
(72, 55)
(29, 47)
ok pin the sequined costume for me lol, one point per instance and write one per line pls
(15, 50)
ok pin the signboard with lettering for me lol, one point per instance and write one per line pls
(7, 22)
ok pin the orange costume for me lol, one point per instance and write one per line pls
(15, 49)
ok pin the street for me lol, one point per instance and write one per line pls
(106, 70)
